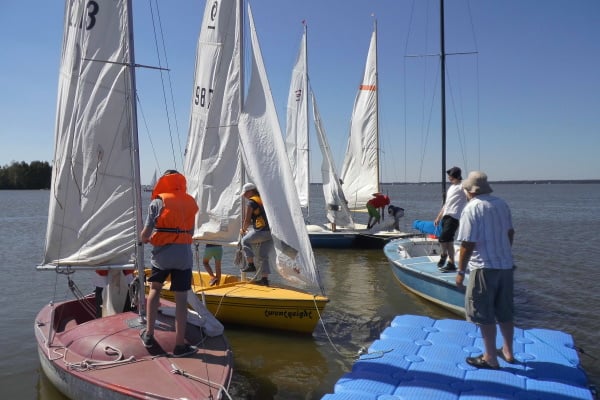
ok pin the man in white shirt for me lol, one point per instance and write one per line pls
(486, 234)
(449, 216)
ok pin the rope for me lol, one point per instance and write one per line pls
(327, 335)
(81, 298)
(178, 371)
(88, 364)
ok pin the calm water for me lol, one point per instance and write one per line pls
(556, 247)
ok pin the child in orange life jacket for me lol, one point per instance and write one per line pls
(169, 228)
(260, 233)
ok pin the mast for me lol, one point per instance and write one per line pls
(305, 94)
(377, 107)
(443, 97)
(137, 187)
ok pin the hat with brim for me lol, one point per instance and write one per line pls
(477, 183)
(248, 187)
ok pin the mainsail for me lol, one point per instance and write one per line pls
(298, 144)
(297, 134)
(360, 171)
(93, 219)
(212, 162)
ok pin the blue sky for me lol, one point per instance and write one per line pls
(526, 106)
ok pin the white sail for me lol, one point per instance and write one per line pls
(92, 214)
(267, 166)
(337, 206)
(360, 171)
(297, 133)
(212, 163)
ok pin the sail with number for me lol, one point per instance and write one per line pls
(360, 170)
(297, 133)
(212, 162)
(95, 168)
(298, 144)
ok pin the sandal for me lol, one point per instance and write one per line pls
(479, 362)
(213, 281)
(501, 355)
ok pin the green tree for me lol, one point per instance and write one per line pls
(20, 175)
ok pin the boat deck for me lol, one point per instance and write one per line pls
(414, 264)
(418, 357)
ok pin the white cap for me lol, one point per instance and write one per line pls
(248, 186)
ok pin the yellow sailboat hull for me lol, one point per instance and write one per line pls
(237, 302)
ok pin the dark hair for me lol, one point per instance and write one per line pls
(170, 172)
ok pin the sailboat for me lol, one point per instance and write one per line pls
(360, 172)
(94, 220)
(340, 232)
(414, 259)
(231, 141)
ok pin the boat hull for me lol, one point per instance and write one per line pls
(238, 302)
(414, 264)
(321, 237)
(104, 358)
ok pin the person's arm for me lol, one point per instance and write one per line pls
(153, 211)
(247, 220)
(146, 233)
(437, 219)
(466, 250)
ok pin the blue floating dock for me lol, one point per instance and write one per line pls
(419, 357)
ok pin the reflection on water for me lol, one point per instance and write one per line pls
(556, 249)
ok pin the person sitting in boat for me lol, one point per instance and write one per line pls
(396, 213)
(449, 216)
(377, 203)
(260, 234)
(169, 228)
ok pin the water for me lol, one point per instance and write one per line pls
(556, 249)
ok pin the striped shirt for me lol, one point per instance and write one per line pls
(486, 221)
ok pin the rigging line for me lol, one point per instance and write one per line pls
(141, 110)
(428, 125)
(460, 131)
(162, 81)
(478, 127)
(162, 36)
(411, 17)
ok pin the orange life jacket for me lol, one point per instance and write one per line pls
(259, 217)
(175, 224)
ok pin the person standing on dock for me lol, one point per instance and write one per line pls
(449, 216)
(486, 234)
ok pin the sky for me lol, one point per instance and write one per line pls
(522, 81)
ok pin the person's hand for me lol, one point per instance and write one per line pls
(459, 280)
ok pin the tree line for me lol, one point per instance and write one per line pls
(20, 175)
